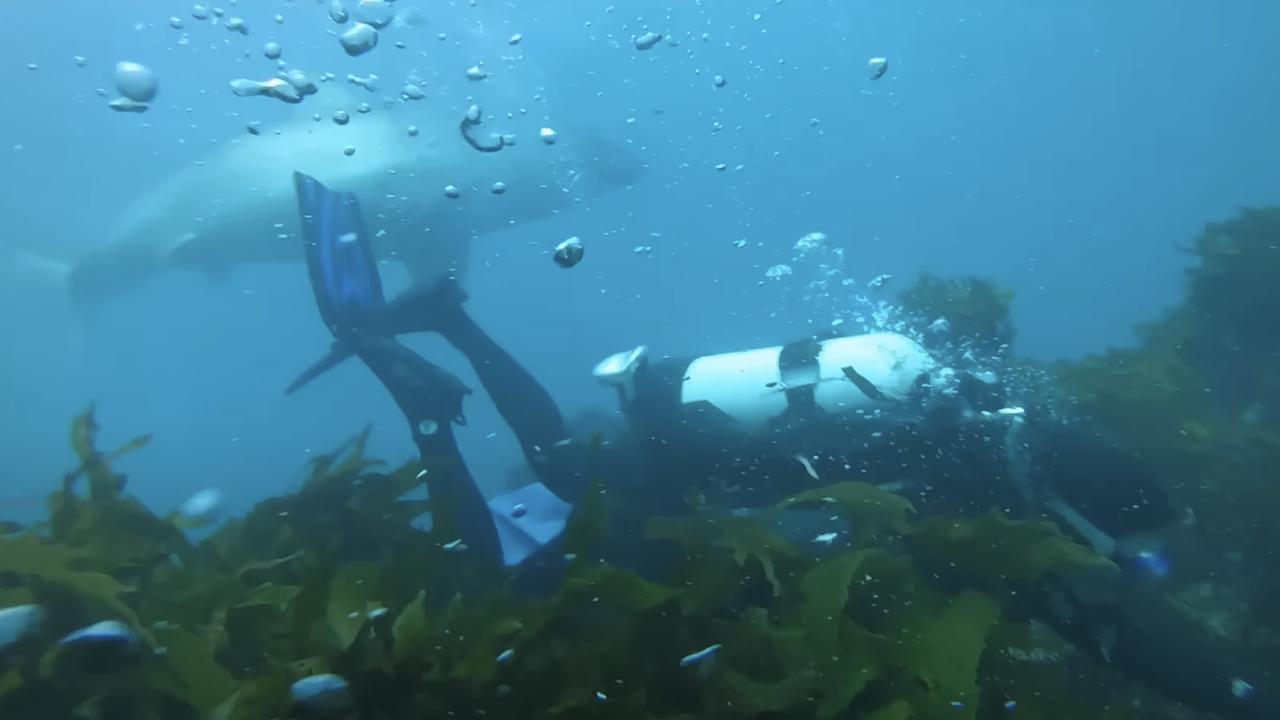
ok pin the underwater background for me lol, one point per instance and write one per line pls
(1090, 158)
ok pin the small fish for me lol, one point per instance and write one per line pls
(455, 545)
(200, 510)
(1241, 689)
(17, 624)
(601, 696)
(826, 538)
(321, 695)
(956, 704)
(808, 466)
(102, 647)
(701, 656)
(506, 656)
(877, 67)
(1011, 411)
(1011, 705)
(1153, 562)
(110, 631)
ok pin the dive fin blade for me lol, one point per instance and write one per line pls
(340, 258)
(335, 357)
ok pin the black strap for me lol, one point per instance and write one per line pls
(798, 368)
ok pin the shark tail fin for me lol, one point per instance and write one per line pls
(43, 284)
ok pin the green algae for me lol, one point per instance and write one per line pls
(268, 599)
(918, 619)
(976, 310)
(1197, 397)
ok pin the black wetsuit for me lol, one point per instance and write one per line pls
(661, 456)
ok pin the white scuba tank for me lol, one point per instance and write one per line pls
(754, 387)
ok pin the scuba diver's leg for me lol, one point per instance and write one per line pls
(431, 400)
(1079, 466)
(348, 292)
(524, 404)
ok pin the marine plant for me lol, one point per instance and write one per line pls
(969, 309)
(1198, 396)
(909, 618)
(906, 618)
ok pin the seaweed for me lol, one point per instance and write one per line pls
(337, 578)
(976, 310)
(870, 509)
(1196, 395)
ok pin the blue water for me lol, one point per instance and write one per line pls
(1067, 150)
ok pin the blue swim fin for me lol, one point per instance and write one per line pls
(337, 354)
(528, 519)
(340, 259)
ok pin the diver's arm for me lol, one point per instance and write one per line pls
(1120, 619)
(1110, 498)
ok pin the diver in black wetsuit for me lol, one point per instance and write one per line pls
(348, 292)
(760, 424)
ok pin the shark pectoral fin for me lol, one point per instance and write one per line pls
(184, 249)
(189, 251)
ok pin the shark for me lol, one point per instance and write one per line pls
(428, 189)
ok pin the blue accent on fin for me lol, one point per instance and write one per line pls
(340, 259)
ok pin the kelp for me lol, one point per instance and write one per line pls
(976, 310)
(997, 553)
(1196, 395)
(337, 578)
(869, 509)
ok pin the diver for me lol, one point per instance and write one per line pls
(747, 428)
(349, 296)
